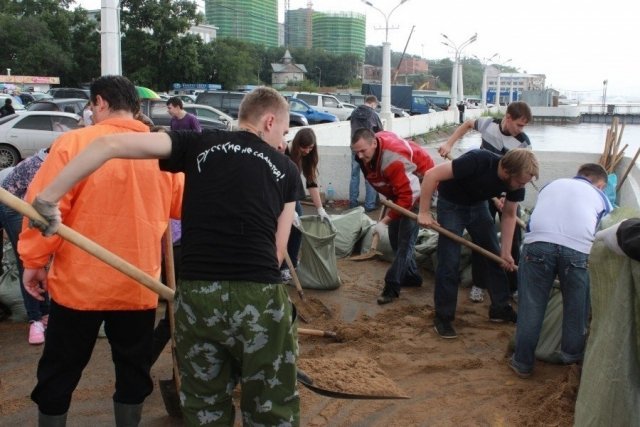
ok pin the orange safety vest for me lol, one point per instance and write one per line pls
(124, 206)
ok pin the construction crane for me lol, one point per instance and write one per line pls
(395, 75)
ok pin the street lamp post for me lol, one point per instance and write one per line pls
(498, 82)
(319, 75)
(386, 63)
(454, 72)
(604, 95)
(485, 64)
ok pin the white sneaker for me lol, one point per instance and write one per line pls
(286, 275)
(476, 294)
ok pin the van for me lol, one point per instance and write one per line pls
(326, 103)
(69, 92)
(229, 103)
(225, 101)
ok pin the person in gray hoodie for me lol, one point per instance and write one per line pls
(363, 117)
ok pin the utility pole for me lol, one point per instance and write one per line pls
(386, 63)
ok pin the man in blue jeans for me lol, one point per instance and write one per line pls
(363, 117)
(561, 232)
(464, 185)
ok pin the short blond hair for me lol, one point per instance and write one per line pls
(260, 101)
(520, 161)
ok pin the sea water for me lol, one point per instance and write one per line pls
(581, 137)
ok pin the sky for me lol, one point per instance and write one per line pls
(576, 44)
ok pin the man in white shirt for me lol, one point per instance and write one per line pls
(558, 241)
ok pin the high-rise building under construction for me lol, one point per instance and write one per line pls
(340, 33)
(255, 21)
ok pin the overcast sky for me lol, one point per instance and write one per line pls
(577, 44)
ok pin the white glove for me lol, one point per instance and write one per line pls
(296, 220)
(323, 214)
(380, 228)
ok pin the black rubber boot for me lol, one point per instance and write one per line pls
(52, 420)
(127, 415)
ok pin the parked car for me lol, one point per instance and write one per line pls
(70, 105)
(325, 103)
(69, 92)
(313, 115)
(22, 135)
(29, 97)
(297, 119)
(397, 112)
(209, 117)
(229, 103)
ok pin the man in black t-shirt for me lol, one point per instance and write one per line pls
(233, 315)
(464, 185)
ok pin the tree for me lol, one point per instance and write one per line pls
(155, 49)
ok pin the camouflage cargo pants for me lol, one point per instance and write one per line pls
(231, 331)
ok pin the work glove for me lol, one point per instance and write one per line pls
(296, 220)
(323, 215)
(50, 212)
(380, 228)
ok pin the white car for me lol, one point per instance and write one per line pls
(23, 134)
(325, 103)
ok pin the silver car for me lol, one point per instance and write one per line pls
(23, 134)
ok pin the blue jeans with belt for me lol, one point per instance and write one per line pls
(476, 219)
(540, 263)
(11, 221)
(354, 188)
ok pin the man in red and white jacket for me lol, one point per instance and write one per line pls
(394, 167)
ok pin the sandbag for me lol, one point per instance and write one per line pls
(10, 294)
(317, 268)
(610, 383)
(350, 227)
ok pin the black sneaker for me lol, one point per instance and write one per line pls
(444, 328)
(387, 296)
(502, 314)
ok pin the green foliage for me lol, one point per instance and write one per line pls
(47, 37)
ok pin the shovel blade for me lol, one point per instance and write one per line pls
(306, 381)
(170, 398)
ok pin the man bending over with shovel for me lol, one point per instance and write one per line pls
(233, 315)
(464, 185)
(394, 168)
(125, 207)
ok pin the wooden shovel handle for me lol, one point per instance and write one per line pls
(294, 275)
(446, 233)
(89, 246)
(170, 278)
(316, 333)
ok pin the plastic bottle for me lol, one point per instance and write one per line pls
(330, 193)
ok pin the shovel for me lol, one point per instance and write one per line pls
(373, 250)
(446, 233)
(169, 388)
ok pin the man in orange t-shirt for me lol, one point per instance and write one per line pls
(125, 207)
